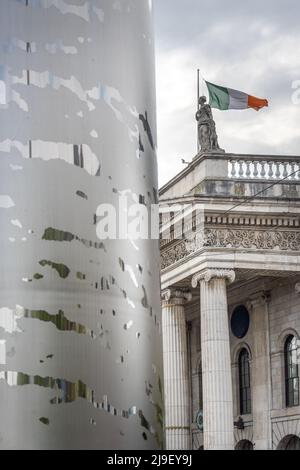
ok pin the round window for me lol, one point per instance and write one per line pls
(240, 321)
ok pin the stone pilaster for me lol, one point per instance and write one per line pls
(216, 362)
(260, 371)
(176, 383)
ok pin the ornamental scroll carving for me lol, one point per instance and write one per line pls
(234, 239)
(259, 239)
(208, 274)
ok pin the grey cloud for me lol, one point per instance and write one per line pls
(181, 21)
(253, 46)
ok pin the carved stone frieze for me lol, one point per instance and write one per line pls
(284, 240)
(258, 239)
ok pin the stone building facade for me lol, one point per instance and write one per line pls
(230, 252)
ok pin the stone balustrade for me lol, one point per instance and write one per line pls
(264, 168)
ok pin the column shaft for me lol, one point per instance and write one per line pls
(176, 384)
(216, 363)
(261, 374)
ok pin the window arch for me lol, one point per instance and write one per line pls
(291, 372)
(244, 382)
(290, 442)
(244, 444)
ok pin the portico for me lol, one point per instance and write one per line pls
(240, 243)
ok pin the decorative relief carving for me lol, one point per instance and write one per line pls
(180, 250)
(234, 239)
(237, 222)
(178, 295)
(259, 239)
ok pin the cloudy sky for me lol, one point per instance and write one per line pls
(253, 46)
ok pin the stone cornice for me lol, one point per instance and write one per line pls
(199, 158)
(208, 274)
(191, 166)
(252, 220)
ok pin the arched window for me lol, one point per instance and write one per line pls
(291, 372)
(290, 442)
(244, 445)
(244, 382)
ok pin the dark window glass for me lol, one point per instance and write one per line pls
(244, 382)
(244, 445)
(240, 321)
(291, 372)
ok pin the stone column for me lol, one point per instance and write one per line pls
(216, 362)
(260, 371)
(176, 383)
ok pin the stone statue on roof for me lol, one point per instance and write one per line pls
(207, 135)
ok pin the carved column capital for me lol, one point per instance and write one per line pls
(259, 299)
(208, 274)
(178, 296)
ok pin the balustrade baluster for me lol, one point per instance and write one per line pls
(233, 170)
(255, 170)
(292, 170)
(270, 172)
(248, 169)
(241, 169)
(264, 169)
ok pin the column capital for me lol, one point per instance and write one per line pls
(212, 273)
(259, 299)
(179, 296)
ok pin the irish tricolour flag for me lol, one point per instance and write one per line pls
(227, 98)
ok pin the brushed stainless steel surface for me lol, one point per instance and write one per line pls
(80, 341)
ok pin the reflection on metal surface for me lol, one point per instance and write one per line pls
(129, 269)
(6, 201)
(62, 270)
(147, 128)
(79, 155)
(16, 222)
(9, 320)
(82, 194)
(62, 236)
(38, 276)
(68, 392)
(45, 420)
(75, 133)
(145, 299)
(2, 351)
(59, 46)
(128, 325)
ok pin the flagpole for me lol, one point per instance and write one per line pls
(198, 96)
(198, 88)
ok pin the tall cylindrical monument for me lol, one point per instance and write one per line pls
(80, 340)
